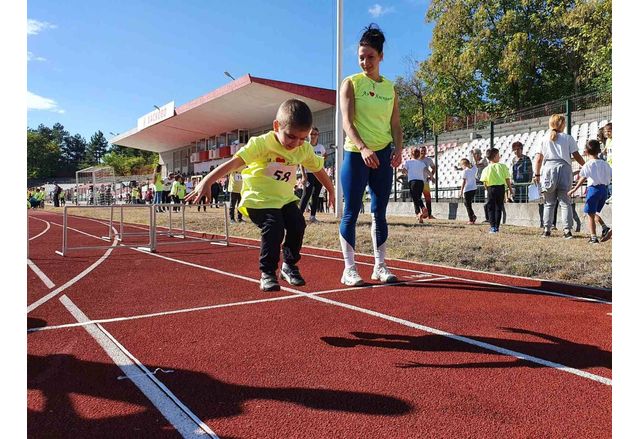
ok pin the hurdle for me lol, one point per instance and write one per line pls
(117, 230)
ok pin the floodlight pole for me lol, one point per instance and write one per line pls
(338, 134)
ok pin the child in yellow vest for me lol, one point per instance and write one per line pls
(495, 178)
(268, 199)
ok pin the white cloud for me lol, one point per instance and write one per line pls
(32, 57)
(35, 102)
(34, 27)
(378, 10)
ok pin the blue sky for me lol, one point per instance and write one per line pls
(101, 65)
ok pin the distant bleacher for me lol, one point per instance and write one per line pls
(450, 153)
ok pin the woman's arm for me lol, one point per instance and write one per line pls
(348, 105)
(396, 133)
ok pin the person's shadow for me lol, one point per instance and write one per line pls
(561, 351)
(61, 386)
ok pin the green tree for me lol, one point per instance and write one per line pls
(96, 149)
(43, 155)
(510, 54)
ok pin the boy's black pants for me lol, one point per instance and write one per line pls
(495, 204)
(273, 223)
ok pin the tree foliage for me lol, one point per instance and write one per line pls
(53, 152)
(510, 54)
(43, 155)
(96, 149)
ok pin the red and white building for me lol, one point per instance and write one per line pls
(193, 137)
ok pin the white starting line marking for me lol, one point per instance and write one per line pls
(179, 415)
(157, 369)
(43, 277)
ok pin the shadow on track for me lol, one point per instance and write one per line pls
(562, 351)
(78, 398)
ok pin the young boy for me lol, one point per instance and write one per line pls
(597, 173)
(495, 177)
(267, 189)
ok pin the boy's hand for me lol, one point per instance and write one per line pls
(200, 191)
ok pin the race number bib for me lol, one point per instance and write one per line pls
(281, 172)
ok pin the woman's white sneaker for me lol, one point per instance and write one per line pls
(351, 278)
(381, 272)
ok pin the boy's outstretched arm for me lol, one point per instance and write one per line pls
(203, 189)
(323, 178)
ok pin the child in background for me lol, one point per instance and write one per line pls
(495, 177)
(414, 168)
(468, 187)
(597, 173)
(268, 199)
(235, 189)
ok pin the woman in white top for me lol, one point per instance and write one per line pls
(552, 171)
(414, 169)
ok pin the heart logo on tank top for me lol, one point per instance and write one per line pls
(372, 93)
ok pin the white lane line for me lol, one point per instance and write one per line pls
(86, 271)
(44, 231)
(364, 287)
(179, 415)
(43, 277)
(418, 326)
(165, 313)
(210, 307)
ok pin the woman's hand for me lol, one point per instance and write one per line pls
(370, 158)
(396, 157)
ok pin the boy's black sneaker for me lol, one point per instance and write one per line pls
(593, 240)
(291, 274)
(269, 282)
(606, 234)
(568, 235)
(546, 233)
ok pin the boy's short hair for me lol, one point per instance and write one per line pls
(465, 162)
(593, 147)
(295, 114)
(415, 152)
(492, 152)
(517, 144)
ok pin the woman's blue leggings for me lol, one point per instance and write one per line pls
(355, 176)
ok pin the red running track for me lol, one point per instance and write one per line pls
(444, 353)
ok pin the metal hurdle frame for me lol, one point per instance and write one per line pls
(153, 229)
(183, 234)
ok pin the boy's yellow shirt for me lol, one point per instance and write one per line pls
(269, 179)
(495, 174)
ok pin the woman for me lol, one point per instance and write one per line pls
(552, 171)
(371, 120)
